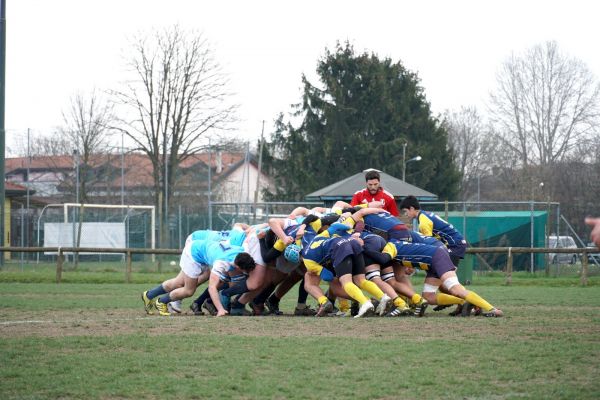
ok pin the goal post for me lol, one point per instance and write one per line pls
(102, 226)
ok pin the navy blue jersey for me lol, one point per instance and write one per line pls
(372, 241)
(431, 224)
(416, 255)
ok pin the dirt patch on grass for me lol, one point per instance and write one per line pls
(432, 327)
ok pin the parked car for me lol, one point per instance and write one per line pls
(595, 256)
(562, 242)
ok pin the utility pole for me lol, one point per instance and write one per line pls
(2, 128)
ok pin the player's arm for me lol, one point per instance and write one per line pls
(366, 211)
(213, 289)
(276, 225)
(299, 211)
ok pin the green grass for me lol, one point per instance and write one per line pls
(79, 340)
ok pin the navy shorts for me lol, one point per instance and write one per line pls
(440, 263)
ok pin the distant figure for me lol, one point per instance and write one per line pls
(374, 192)
(595, 224)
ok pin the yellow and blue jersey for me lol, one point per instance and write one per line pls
(416, 255)
(430, 224)
(317, 253)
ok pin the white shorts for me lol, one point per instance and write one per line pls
(188, 265)
(252, 246)
(285, 266)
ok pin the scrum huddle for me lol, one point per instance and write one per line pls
(353, 260)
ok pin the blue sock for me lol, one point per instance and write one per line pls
(157, 291)
(166, 299)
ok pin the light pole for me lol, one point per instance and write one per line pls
(405, 161)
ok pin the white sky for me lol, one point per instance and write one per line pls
(56, 48)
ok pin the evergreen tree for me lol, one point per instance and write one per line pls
(360, 117)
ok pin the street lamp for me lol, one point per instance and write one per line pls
(405, 161)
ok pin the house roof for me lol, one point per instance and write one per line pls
(137, 167)
(346, 188)
(15, 190)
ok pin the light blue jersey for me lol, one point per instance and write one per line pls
(207, 252)
(235, 236)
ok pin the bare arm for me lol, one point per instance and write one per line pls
(213, 284)
(366, 211)
(276, 225)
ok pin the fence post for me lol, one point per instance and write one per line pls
(59, 265)
(128, 267)
(584, 269)
(509, 267)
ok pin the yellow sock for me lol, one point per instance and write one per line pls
(477, 300)
(398, 302)
(444, 299)
(415, 298)
(372, 289)
(322, 299)
(344, 305)
(354, 292)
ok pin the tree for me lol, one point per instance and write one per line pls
(546, 103)
(86, 126)
(361, 117)
(469, 141)
(178, 93)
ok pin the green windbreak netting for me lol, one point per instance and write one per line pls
(502, 229)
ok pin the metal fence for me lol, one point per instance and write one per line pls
(28, 231)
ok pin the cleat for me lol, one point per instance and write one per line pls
(341, 314)
(324, 309)
(240, 311)
(163, 309)
(493, 313)
(304, 312)
(440, 307)
(466, 309)
(196, 308)
(400, 312)
(420, 308)
(382, 308)
(148, 304)
(273, 307)
(457, 311)
(365, 310)
(258, 309)
(209, 308)
(354, 308)
(477, 311)
(175, 307)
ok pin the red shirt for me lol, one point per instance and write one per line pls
(385, 197)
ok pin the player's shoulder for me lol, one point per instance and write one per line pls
(360, 192)
(388, 194)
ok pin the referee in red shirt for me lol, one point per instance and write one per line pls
(374, 192)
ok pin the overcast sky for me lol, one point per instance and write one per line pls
(57, 48)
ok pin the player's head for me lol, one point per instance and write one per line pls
(292, 253)
(373, 179)
(244, 261)
(410, 206)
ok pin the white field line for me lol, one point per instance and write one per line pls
(50, 321)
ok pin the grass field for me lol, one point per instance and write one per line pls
(88, 339)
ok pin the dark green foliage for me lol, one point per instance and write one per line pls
(360, 117)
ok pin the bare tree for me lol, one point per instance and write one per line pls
(545, 104)
(86, 126)
(469, 142)
(177, 96)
